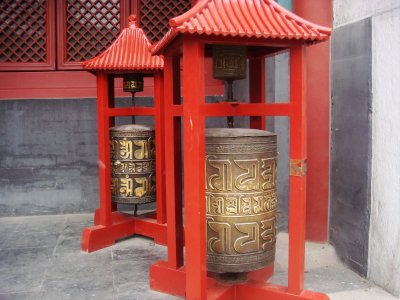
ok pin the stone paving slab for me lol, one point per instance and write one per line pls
(41, 259)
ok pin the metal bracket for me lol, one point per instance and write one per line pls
(298, 167)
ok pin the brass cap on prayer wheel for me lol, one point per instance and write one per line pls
(133, 83)
(229, 62)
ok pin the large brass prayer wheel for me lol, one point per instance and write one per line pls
(241, 199)
(132, 164)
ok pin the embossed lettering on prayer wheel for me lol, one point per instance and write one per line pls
(229, 62)
(132, 164)
(241, 199)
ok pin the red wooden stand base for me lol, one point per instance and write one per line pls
(110, 224)
(123, 225)
(173, 281)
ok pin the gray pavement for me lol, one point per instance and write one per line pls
(41, 258)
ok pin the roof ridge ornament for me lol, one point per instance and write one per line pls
(133, 21)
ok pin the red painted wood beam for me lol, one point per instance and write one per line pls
(173, 201)
(103, 125)
(123, 225)
(129, 111)
(58, 84)
(159, 107)
(261, 291)
(73, 84)
(245, 109)
(297, 187)
(194, 168)
(257, 92)
(318, 105)
(174, 282)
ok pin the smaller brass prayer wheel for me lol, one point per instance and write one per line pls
(241, 199)
(229, 62)
(133, 83)
(132, 157)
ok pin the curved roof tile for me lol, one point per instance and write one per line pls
(129, 52)
(243, 18)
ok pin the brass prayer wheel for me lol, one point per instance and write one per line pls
(229, 62)
(133, 168)
(241, 199)
(133, 83)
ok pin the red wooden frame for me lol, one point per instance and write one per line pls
(191, 280)
(50, 47)
(109, 224)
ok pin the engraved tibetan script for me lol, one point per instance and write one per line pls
(241, 237)
(221, 180)
(250, 241)
(220, 244)
(248, 179)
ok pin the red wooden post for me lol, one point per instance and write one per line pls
(298, 155)
(160, 154)
(318, 99)
(176, 100)
(194, 168)
(257, 89)
(174, 208)
(111, 103)
(103, 123)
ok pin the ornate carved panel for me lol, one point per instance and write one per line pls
(154, 16)
(88, 27)
(26, 34)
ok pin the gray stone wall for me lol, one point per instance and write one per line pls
(350, 194)
(48, 155)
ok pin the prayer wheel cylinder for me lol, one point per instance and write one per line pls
(133, 168)
(133, 83)
(229, 62)
(241, 199)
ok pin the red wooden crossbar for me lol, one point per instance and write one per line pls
(130, 111)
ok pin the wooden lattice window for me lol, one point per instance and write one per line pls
(88, 27)
(154, 15)
(27, 34)
(83, 29)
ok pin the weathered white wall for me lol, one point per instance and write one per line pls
(348, 11)
(384, 250)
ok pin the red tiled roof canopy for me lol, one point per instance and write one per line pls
(243, 18)
(129, 52)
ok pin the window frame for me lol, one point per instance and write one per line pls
(62, 64)
(50, 63)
